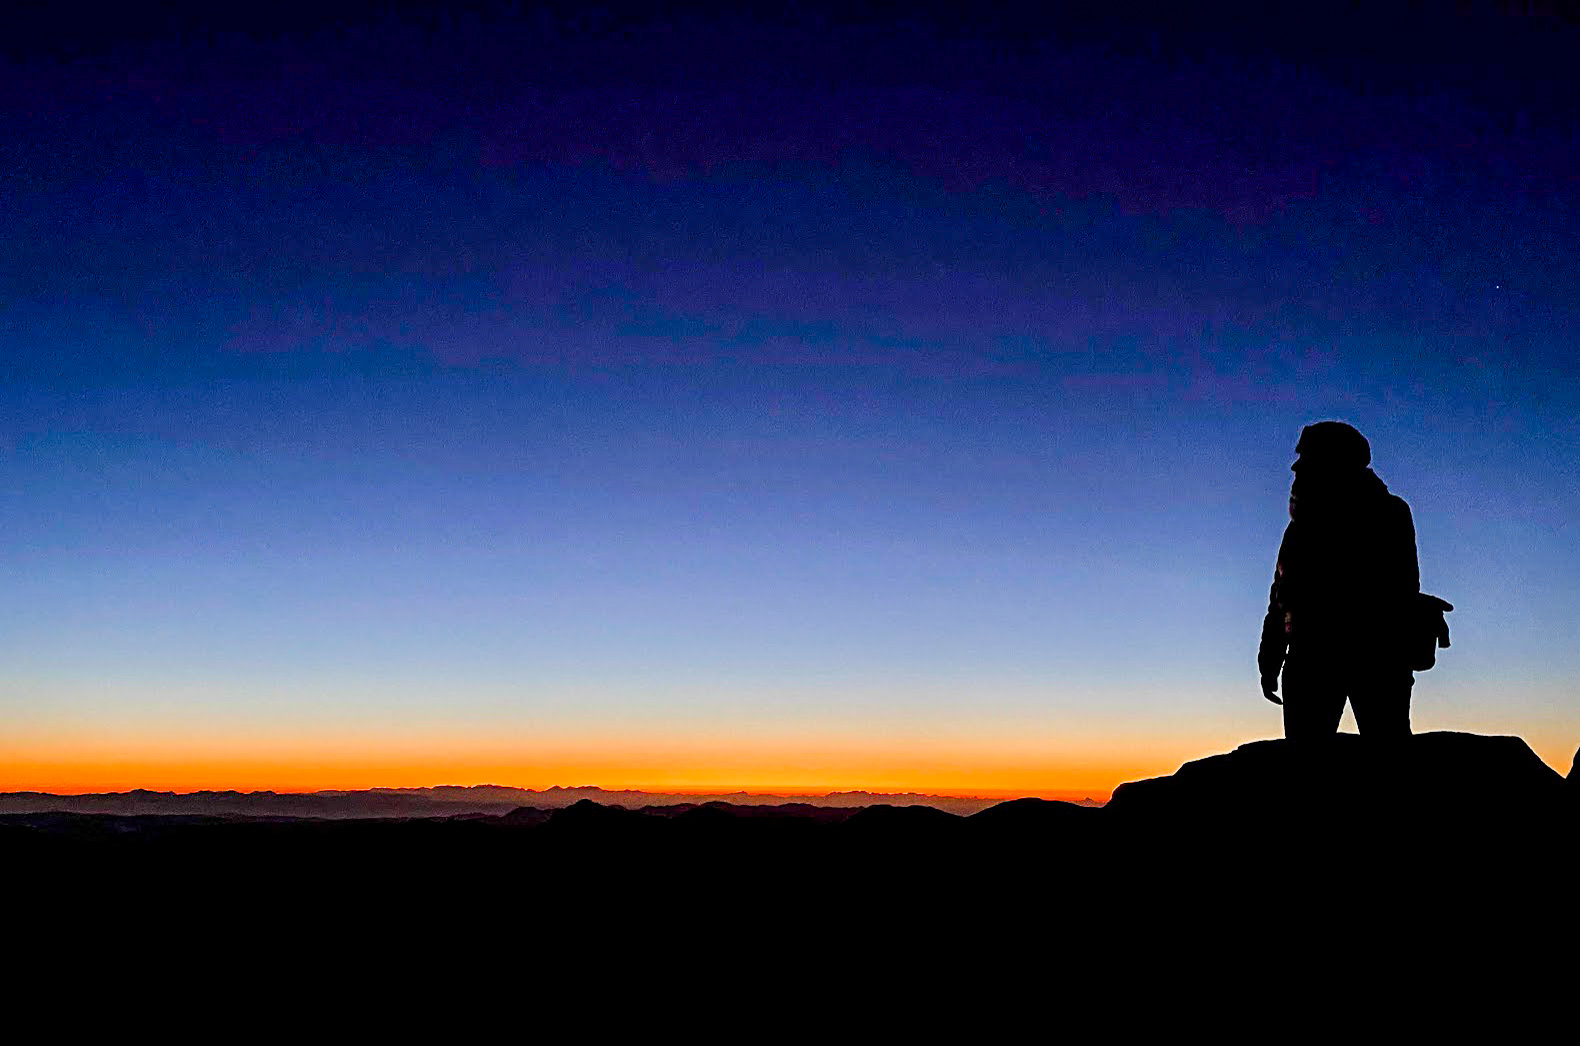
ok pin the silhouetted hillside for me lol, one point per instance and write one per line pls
(441, 801)
(1448, 852)
(1444, 821)
(1034, 814)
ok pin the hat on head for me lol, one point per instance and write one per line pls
(1334, 444)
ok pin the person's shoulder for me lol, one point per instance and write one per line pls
(1396, 507)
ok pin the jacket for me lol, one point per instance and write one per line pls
(1347, 579)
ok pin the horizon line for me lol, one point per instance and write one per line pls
(800, 792)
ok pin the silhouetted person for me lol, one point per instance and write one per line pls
(1346, 582)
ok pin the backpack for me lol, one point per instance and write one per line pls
(1427, 630)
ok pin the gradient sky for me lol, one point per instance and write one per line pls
(802, 404)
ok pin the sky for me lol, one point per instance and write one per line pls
(798, 403)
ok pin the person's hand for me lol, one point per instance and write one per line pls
(1270, 689)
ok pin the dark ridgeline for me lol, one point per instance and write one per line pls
(1466, 801)
(441, 801)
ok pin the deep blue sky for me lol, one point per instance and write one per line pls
(891, 383)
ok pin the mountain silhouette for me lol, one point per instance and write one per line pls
(439, 801)
(1441, 818)
(887, 819)
(1035, 814)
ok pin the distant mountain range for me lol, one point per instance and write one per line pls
(440, 801)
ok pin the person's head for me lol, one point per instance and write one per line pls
(1330, 449)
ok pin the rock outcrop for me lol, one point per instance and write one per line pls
(1428, 818)
(1432, 775)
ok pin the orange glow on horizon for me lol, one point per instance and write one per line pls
(699, 762)
(997, 764)
(77, 776)
(123, 776)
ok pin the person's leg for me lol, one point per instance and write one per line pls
(1380, 695)
(1313, 699)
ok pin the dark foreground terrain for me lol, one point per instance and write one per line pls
(1452, 856)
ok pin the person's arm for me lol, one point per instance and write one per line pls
(1410, 582)
(1275, 640)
